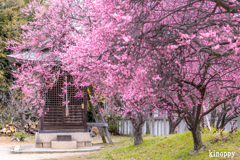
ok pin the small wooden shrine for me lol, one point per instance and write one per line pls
(56, 117)
(64, 126)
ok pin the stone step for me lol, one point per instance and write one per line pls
(64, 144)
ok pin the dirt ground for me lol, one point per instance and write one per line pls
(6, 146)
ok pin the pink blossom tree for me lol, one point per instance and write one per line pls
(189, 51)
(198, 59)
(141, 55)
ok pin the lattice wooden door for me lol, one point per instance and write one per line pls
(75, 106)
(53, 106)
(56, 112)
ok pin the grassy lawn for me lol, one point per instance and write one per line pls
(175, 146)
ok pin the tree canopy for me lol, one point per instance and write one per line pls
(11, 19)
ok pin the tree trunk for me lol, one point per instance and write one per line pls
(213, 116)
(197, 138)
(11, 120)
(137, 131)
(203, 123)
(22, 124)
(101, 131)
(137, 134)
(23, 121)
(171, 129)
(147, 126)
(2, 124)
(173, 125)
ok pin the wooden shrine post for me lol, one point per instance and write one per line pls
(101, 117)
(97, 121)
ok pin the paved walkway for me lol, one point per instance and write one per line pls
(6, 154)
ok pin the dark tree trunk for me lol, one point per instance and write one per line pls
(22, 124)
(173, 125)
(137, 133)
(1, 121)
(213, 117)
(197, 139)
(222, 121)
(11, 120)
(147, 126)
(24, 121)
(171, 129)
(137, 129)
(101, 131)
(203, 123)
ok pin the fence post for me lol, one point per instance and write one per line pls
(127, 127)
(164, 125)
(238, 122)
(153, 120)
(132, 129)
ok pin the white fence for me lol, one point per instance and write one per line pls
(160, 126)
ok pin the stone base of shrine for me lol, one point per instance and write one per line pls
(49, 140)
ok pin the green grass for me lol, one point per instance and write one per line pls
(175, 146)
